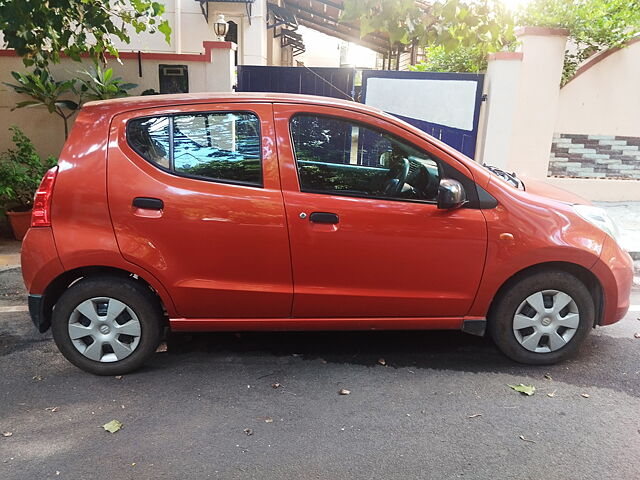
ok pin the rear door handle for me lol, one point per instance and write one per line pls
(324, 217)
(148, 203)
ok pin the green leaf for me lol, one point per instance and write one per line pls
(165, 29)
(524, 389)
(113, 426)
(27, 103)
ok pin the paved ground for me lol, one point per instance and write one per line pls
(439, 409)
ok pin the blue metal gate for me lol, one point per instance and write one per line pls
(327, 82)
(445, 105)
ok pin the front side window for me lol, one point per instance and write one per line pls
(220, 146)
(340, 157)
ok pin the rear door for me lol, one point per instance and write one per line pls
(367, 239)
(194, 195)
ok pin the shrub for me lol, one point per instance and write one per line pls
(21, 170)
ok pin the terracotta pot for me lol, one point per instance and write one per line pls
(20, 223)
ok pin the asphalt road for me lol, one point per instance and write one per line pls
(439, 409)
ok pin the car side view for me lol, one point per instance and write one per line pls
(240, 212)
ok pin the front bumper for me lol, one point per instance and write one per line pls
(614, 269)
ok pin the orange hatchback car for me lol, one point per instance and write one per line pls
(289, 212)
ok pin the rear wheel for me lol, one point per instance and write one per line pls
(107, 325)
(542, 318)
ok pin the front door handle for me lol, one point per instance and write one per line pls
(324, 217)
(148, 203)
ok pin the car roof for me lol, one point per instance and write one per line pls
(151, 101)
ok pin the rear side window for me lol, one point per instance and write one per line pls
(218, 146)
(149, 137)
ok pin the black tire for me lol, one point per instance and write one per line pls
(501, 318)
(128, 291)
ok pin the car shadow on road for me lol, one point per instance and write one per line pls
(603, 361)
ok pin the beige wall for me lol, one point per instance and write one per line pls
(46, 130)
(605, 98)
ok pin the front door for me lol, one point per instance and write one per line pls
(194, 195)
(367, 239)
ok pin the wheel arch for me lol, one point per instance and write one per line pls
(63, 281)
(583, 274)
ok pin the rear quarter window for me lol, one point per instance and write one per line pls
(215, 146)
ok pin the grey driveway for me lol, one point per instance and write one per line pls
(440, 408)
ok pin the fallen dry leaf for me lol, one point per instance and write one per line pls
(524, 389)
(382, 362)
(7, 434)
(118, 377)
(521, 437)
(276, 385)
(552, 394)
(585, 395)
(475, 415)
(248, 431)
(344, 391)
(113, 426)
(162, 348)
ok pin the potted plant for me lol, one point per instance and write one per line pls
(21, 170)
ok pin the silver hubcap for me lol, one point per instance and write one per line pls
(546, 321)
(104, 329)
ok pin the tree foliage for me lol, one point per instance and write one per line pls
(594, 25)
(483, 26)
(41, 31)
(462, 59)
(458, 34)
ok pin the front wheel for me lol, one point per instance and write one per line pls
(542, 318)
(107, 325)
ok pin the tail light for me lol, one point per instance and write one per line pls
(41, 215)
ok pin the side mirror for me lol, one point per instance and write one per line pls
(451, 194)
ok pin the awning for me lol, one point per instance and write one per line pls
(323, 16)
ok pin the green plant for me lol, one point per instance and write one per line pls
(41, 31)
(461, 59)
(594, 25)
(45, 91)
(102, 85)
(472, 28)
(21, 170)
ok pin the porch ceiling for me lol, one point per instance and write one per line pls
(323, 16)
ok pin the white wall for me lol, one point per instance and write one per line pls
(321, 50)
(605, 99)
(501, 88)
